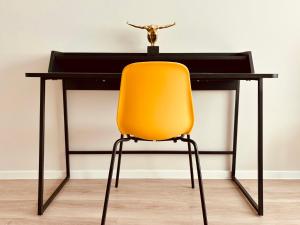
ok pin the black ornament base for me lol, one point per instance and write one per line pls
(153, 49)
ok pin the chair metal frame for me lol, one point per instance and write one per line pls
(123, 139)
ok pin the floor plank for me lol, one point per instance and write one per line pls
(145, 202)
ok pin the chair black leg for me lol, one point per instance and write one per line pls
(111, 168)
(119, 163)
(191, 162)
(200, 182)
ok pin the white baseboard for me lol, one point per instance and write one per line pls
(148, 174)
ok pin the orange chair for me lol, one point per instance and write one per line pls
(155, 104)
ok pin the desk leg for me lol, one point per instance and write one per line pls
(235, 130)
(41, 147)
(259, 207)
(66, 127)
(41, 205)
(260, 147)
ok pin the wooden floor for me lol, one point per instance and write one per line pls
(147, 202)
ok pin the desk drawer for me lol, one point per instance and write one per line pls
(214, 84)
(114, 84)
(92, 84)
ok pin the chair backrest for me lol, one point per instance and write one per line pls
(155, 101)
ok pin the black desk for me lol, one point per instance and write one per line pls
(101, 71)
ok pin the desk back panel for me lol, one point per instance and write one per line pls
(115, 62)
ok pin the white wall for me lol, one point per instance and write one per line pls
(30, 29)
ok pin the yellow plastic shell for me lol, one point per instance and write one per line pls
(155, 101)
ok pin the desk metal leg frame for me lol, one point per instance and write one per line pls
(257, 206)
(41, 205)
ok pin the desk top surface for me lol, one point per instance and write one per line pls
(200, 76)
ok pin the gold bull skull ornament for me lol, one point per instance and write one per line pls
(152, 31)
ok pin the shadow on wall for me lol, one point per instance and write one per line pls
(284, 149)
(124, 40)
(19, 98)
